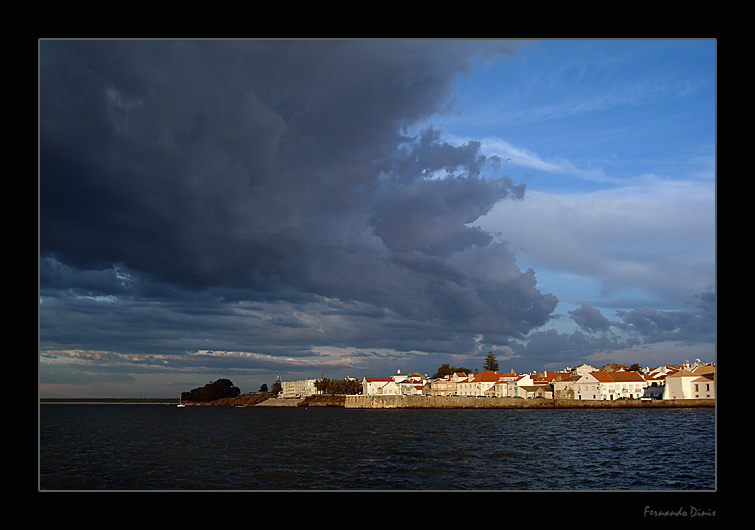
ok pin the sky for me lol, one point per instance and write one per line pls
(241, 209)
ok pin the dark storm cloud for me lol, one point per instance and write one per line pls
(551, 346)
(590, 319)
(653, 326)
(688, 327)
(438, 210)
(638, 327)
(273, 170)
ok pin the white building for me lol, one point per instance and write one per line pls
(501, 387)
(298, 389)
(373, 386)
(412, 384)
(564, 388)
(696, 382)
(601, 385)
(396, 384)
(704, 387)
(478, 384)
(583, 369)
(656, 384)
(514, 386)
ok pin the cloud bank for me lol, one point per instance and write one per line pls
(259, 206)
(192, 178)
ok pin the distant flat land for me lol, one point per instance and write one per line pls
(111, 401)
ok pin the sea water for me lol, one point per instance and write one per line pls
(164, 447)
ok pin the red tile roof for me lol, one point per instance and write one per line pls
(488, 376)
(617, 377)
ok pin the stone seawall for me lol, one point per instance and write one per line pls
(465, 402)
(280, 402)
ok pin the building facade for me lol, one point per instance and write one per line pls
(692, 382)
(298, 389)
(478, 384)
(610, 386)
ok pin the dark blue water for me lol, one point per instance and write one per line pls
(162, 447)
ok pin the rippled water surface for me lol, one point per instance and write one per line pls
(162, 447)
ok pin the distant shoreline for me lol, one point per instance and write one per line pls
(108, 401)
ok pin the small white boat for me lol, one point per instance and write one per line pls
(180, 402)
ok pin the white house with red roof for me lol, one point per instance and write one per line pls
(478, 384)
(501, 387)
(396, 384)
(601, 385)
(691, 382)
(514, 387)
(375, 386)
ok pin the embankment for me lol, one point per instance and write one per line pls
(465, 402)
(245, 400)
(325, 401)
(448, 402)
(280, 402)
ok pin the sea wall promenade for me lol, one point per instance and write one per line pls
(451, 402)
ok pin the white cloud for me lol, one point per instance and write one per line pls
(655, 236)
(517, 156)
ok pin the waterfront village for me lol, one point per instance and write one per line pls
(584, 382)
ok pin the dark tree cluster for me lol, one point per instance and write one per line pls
(445, 369)
(222, 388)
(339, 386)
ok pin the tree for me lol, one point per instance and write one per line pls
(445, 369)
(222, 388)
(490, 362)
(338, 386)
(263, 388)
